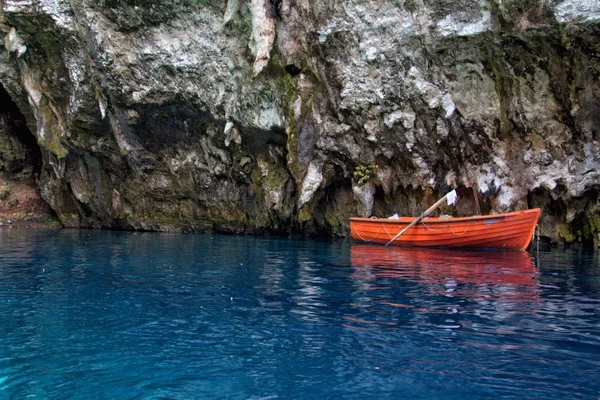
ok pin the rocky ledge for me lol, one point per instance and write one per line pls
(292, 115)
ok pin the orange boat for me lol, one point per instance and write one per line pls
(512, 230)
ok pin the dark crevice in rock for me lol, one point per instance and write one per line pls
(293, 70)
(163, 125)
(20, 169)
(256, 141)
(383, 205)
(21, 158)
(274, 11)
(581, 229)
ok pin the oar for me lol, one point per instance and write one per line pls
(426, 213)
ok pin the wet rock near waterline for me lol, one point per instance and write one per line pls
(252, 116)
(21, 206)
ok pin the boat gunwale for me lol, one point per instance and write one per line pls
(437, 220)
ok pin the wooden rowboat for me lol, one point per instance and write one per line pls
(512, 230)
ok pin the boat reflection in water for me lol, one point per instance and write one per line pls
(506, 276)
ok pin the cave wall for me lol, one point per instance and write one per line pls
(292, 115)
(20, 156)
(21, 203)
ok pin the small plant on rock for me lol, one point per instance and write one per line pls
(363, 173)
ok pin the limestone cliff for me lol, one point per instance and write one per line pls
(292, 115)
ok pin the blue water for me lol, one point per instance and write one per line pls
(114, 315)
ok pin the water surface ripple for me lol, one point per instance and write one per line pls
(114, 315)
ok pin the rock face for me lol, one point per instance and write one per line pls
(20, 164)
(254, 115)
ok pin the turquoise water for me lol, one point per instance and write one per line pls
(115, 315)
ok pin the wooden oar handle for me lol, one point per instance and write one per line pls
(423, 215)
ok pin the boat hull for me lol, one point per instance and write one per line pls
(502, 231)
